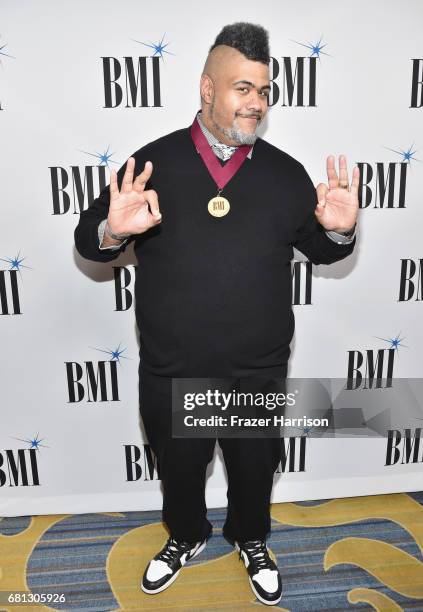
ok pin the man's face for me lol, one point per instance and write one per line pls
(240, 99)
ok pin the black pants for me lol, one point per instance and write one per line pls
(250, 465)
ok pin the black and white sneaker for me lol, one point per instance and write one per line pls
(264, 576)
(164, 568)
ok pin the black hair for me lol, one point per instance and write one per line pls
(250, 39)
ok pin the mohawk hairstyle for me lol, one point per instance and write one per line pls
(250, 39)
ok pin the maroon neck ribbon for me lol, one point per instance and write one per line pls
(220, 174)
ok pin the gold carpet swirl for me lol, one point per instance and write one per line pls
(393, 567)
(226, 576)
(16, 550)
(379, 601)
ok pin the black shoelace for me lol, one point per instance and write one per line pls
(257, 554)
(173, 550)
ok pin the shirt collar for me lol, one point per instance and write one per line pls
(211, 138)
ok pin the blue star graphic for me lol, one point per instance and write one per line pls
(316, 49)
(116, 354)
(394, 342)
(306, 430)
(16, 263)
(5, 54)
(34, 443)
(159, 48)
(407, 156)
(103, 157)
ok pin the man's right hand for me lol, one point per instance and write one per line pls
(128, 210)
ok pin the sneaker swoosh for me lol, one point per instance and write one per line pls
(194, 550)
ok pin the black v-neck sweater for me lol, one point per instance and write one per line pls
(213, 295)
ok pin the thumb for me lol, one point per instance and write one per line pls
(321, 191)
(319, 211)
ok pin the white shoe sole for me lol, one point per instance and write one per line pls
(174, 577)
(259, 597)
(268, 603)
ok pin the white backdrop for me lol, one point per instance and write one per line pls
(53, 124)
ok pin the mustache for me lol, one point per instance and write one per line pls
(254, 115)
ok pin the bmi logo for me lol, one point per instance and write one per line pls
(10, 303)
(19, 468)
(124, 277)
(371, 368)
(94, 381)
(134, 82)
(301, 282)
(293, 453)
(417, 83)
(140, 464)
(73, 188)
(384, 185)
(411, 280)
(404, 447)
(295, 83)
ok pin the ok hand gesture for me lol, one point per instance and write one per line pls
(128, 210)
(337, 207)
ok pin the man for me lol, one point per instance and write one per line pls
(213, 286)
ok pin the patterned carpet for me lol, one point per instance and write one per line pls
(334, 555)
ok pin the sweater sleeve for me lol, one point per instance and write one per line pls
(86, 232)
(312, 239)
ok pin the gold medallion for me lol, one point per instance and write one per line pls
(218, 206)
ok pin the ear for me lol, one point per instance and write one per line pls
(206, 88)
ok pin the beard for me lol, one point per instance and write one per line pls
(234, 132)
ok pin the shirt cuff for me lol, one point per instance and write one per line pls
(101, 229)
(340, 238)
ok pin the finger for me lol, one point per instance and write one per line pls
(142, 178)
(332, 176)
(153, 221)
(114, 189)
(153, 200)
(319, 210)
(321, 191)
(343, 172)
(355, 180)
(128, 176)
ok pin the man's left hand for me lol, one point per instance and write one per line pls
(337, 207)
